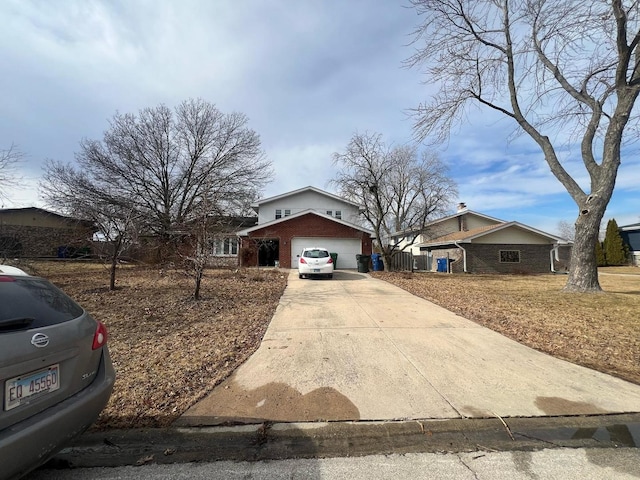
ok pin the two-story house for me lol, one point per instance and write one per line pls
(307, 217)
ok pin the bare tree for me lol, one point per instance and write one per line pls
(206, 225)
(198, 256)
(556, 68)
(115, 217)
(118, 224)
(399, 189)
(566, 230)
(9, 160)
(167, 163)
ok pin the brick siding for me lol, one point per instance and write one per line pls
(45, 241)
(484, 258)
(305, 226)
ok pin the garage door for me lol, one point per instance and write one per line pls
(346, 248)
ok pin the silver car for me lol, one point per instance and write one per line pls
(55, 371)
(315, 261)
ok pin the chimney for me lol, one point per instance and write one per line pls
(462, 221)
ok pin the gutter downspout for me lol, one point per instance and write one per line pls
(464, 257)
(552, 253)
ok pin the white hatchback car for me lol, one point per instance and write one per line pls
(315, 261)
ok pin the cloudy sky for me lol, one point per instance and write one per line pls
(307, 73)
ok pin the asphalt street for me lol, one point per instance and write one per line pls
(561, 464)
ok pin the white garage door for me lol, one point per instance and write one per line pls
(346, 248)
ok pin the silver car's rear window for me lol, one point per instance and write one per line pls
(35, 299)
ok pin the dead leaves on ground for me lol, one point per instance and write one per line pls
(169, 351)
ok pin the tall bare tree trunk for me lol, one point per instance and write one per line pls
(583, 274)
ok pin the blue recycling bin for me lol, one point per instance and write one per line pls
(376, 261)
(442, 265)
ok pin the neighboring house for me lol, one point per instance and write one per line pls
(308, 217)
(463, 220)
(35, 232)
(472, 242)
(631, 236)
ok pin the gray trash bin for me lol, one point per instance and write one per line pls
(363, 263)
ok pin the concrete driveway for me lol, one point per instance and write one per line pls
(357, 348)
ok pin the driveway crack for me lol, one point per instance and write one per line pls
(468, 467)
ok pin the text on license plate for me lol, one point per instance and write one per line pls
(316, 270)
(19, 389)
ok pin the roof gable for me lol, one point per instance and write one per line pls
(332, 196)
(469, 236)
(461, 213)
(433, 225)
(246, 231)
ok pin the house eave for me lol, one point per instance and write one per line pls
(449, 244)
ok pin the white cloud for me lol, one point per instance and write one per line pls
(308, 75)
(25, 194)
(301, 166)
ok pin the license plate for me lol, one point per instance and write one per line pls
(19, 389)
(316, 270)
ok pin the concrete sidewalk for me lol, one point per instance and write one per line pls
(357, 348)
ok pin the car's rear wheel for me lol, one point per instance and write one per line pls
(300, 275)
(331, 275)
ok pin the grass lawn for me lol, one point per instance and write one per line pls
(170, 351)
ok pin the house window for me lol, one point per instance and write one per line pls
(509, 256)
(339, 214)
(329, 212)
(287, 213)
(278, 214)
(225, 246)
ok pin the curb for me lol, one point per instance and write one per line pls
(274, 441)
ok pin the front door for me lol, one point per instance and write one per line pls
(268, 252)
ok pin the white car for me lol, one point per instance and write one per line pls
(315, 261)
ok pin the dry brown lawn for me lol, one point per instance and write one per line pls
(170, 351)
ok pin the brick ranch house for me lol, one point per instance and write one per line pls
(472, 242)
(307, 217)
(35, 232)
